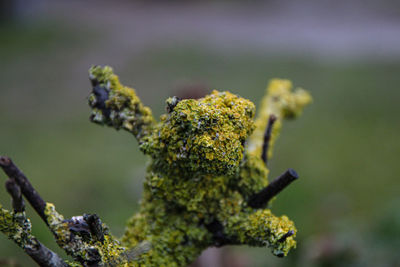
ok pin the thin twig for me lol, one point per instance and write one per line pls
(26, 187)
(261, 199)
(15, 193)
(267, 138)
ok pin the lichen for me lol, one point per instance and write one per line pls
(80, 247)
(205, 166)
(280, 101)
(117, 105)
(202, 172)
(17, 228)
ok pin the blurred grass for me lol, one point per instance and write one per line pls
(345, 147)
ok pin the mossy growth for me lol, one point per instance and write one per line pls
(205, 165)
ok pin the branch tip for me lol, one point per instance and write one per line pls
(5, 161)
(15, 193)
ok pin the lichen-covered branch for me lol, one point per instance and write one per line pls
(25, 186)
(202, 178)
(206, 183)
(17, 228)
(84, 238)
(116, 105)
(281, 102)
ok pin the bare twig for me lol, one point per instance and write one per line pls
(262, 198)
(15, 193)
(16, 184)
(267, 138)
(26, 187)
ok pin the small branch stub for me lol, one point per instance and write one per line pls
(262, 198)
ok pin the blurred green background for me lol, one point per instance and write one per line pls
(345, 146)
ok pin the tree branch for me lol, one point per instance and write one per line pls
(261, 199)
(17, 227)
(44, 256)
(26, 187)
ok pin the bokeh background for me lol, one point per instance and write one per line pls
(345, 147)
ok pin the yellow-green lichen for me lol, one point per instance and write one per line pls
(205, 166)
(16, 227)
(262, 228)
(79, 247)
(204, 136)
(121, 108)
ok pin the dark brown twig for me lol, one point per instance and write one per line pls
(15, 185)
(267, 138)
(15, 193)
(261, 199)
(26, 187)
